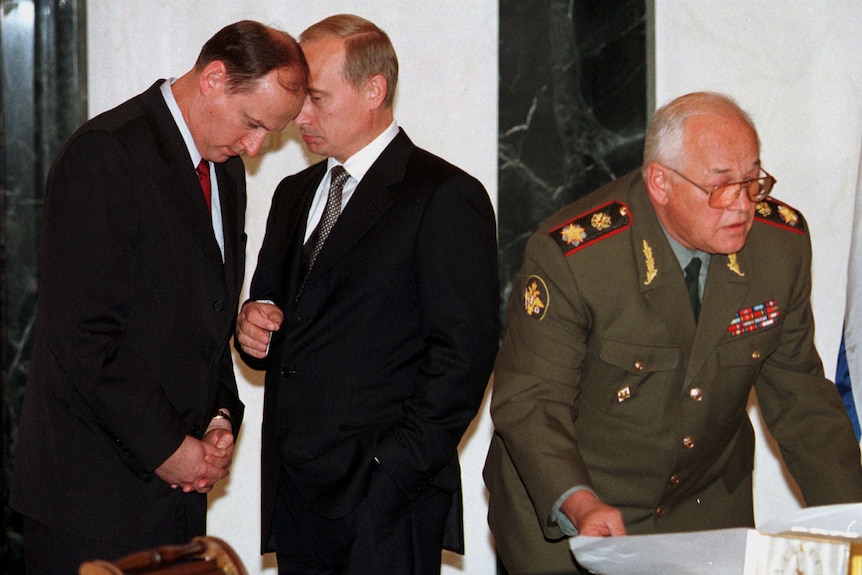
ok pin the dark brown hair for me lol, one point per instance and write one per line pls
(250, 50)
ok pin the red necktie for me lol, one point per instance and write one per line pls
(206, 185)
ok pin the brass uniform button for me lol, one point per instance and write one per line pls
(674, 479)
(755, 354)
(639, 365)
(660, 510)
(688, 442)
(695, 393)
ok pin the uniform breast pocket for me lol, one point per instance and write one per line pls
(741, 356)
(632, 380)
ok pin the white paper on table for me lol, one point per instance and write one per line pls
(717, 552)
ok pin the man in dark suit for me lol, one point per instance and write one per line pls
(131, 407)
(619, 399)
(378, 348)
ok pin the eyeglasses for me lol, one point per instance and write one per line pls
(725, 194)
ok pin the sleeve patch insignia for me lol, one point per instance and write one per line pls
(588, 228)
(778, 214)
(536, 297)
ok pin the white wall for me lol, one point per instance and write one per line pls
(795, 65)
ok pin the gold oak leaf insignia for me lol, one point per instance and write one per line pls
(651, 270)
(733, 265)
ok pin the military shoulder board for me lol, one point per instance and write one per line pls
(591, 227)
(778, 214)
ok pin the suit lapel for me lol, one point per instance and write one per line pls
(294, 213)
(181, 180)
(188, 198)
(230, 227)
(371, 199)
(660, 276)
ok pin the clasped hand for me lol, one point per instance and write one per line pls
(196, 465)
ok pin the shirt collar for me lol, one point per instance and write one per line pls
(683, 254)
(174, 108)
(359, 163)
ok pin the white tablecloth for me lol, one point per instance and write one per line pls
(719, 552)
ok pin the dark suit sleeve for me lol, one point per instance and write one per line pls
(228, 397)
(456, 275)
(86, 290)
(263, 284)
(234, 181)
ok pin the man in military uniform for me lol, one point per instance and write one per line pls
(619, 399)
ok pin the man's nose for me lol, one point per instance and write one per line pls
(304, 116)
(253, 143)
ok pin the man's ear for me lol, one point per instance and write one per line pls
(213, 76)
(375, 91)
(657, 183)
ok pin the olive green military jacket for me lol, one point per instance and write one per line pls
(605, 379)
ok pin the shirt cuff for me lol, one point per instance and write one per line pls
(558, 518)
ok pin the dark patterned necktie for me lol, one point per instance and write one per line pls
(692, 277)
(315, 242)
(206, 185)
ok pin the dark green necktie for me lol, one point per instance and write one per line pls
(692, 275)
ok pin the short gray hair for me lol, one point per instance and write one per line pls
(665, 134)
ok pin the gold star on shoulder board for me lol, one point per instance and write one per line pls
(573, 235)
(789, 216)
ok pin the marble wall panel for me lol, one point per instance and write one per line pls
(573, 107)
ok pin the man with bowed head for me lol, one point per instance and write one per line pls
(378, 331)
(642, 317)
(131, 405)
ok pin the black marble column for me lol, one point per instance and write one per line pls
(573, 107)
(43, 94)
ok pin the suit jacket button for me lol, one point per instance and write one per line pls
(218, 305)
(287, 372)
